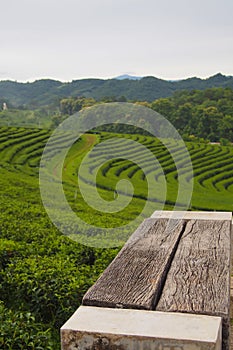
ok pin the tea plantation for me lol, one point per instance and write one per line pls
(44, 274)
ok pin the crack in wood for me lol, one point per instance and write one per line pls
(171, 266)
(169, 263)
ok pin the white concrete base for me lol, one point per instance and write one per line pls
(103, 328)
(196, 215)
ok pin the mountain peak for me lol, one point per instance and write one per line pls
(219, 77)
(127, 76)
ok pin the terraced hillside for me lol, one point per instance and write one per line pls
(21, 150)
(44, 274)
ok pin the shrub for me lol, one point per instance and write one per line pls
(50, 287)
(224, 141)
(18, 330)
(8, 250)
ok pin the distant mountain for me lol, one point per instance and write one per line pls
(126, 76)
(46, 91)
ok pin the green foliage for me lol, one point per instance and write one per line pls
(45, 274)
(38, 118)
(224, 141)
(48, 92)
(72, 105)
(204, 114)
(8, 251)
(49, 287)
(20, 331)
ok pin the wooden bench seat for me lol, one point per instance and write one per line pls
(172, 265)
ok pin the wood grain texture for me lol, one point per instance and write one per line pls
(136, 276)
(199, 278)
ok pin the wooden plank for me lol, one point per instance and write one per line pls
(199, 278)
(136, 276)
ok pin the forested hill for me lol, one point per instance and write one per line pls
(46, 91)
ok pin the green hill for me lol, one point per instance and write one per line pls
(45, 274)
(46, 91)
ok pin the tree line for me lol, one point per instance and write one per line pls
(195, 114)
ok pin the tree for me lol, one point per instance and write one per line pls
(164, 106)
(183, 117)
(226, 127)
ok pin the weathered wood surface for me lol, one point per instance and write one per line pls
(231, 298)
(186, 269)
(136, 276)
(231, 336)
(199, 278)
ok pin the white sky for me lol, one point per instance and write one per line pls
(73, 39)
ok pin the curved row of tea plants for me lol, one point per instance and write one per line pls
(211, 170)
(45, 274)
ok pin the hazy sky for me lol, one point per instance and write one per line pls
(72, 39)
